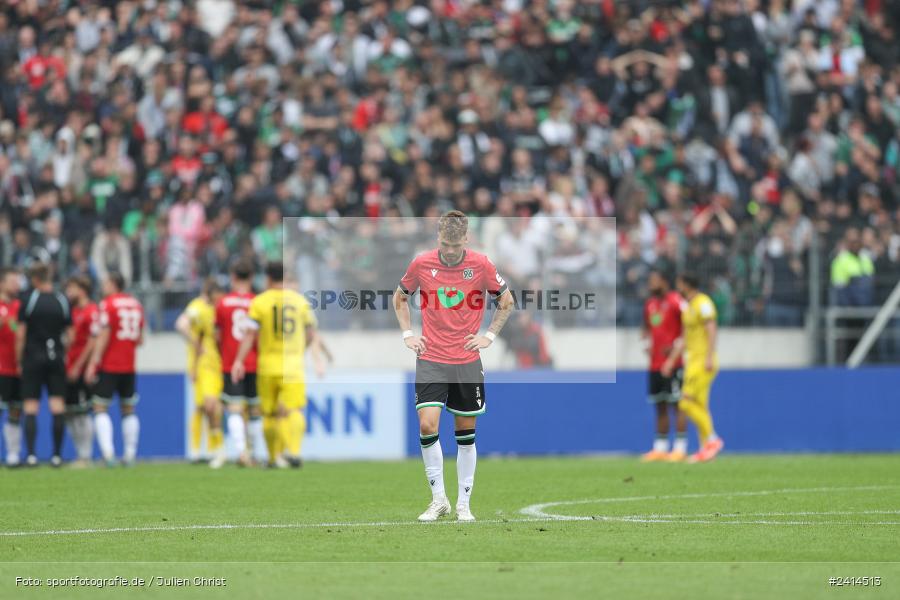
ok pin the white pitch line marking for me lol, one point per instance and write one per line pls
(648, 519)
(768, 514)
(534, 514)
(539, 511)
(238, 526)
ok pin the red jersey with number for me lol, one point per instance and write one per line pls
(452, 300)
(662, 319)
(9, 315)
(124, 316)
(232, 322)
(84, 325)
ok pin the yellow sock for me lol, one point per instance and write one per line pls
(272, 434)
(296, 425)
(286, 435)
(196, 431)
(699, 416)
(216, 439)
(279, 436)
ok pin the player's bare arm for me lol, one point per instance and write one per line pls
(505, 305)
(81, 360)
(674, 354)
(183, 326)
(99, 349)
(323, 347)
(712, 330)
(316, 349)
(198, 354)
(414, 342)
(247, 343)
(21, 331)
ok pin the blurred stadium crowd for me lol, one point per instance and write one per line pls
(164, 139)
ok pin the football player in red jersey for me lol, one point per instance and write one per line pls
(451, 281)
(85, 317)
(111, 369)
(10, 396)
(662, 325)
(231, 324)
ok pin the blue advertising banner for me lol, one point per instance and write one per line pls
(363, 417)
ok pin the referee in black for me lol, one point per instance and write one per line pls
(44, 316)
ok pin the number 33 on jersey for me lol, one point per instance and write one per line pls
(124, 316)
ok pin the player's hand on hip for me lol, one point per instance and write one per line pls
(666, 369)
(416, 343)
(237, 372)
(476, 342)
(319, 366)
(90, 375)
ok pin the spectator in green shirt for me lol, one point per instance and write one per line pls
(102, 184)
(268, 238)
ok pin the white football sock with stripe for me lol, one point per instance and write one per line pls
(87, 427)
(661, 443)
(466, 457)
(433, 457)
(131, 431)
(104, 428)
(257, 439)
(82, 429)
(12, 435)
(236, 433)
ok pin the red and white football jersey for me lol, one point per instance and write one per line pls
(232, 322)
(124, 316)
(85, 322)
(452, 299)
(9, 314)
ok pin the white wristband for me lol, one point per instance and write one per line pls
(491, 335)
(408, 334)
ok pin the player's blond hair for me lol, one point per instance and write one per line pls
(453, 225)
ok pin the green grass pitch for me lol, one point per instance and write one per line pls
(741, 527)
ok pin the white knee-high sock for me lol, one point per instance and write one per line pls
(131, 431)
(433, 457)
(12, 435)
(84, 445)
(465, 472)
(257, 439)
(80, 428)
(104, 428)
(236, 433)
(73, 426)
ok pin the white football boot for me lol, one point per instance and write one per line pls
(438, 508)
(464, 514)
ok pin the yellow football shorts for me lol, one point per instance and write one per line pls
(275, 391)
(207, 385)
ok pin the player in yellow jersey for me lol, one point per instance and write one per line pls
(701, 363)
(197, 325)
(283, 327)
